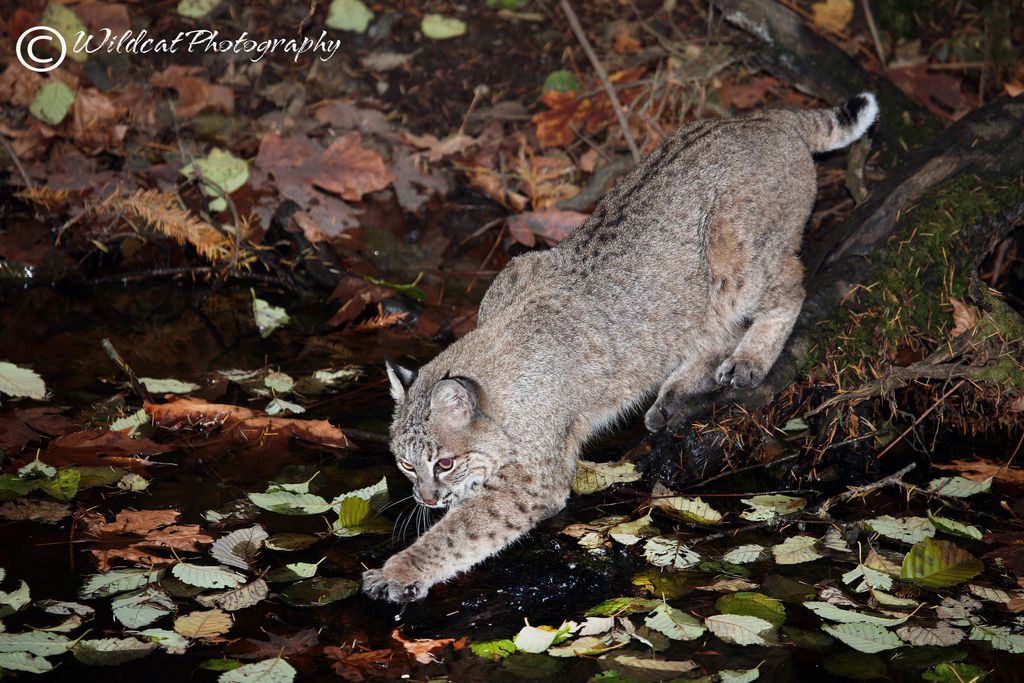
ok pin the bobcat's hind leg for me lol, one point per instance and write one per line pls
(762, 343)
(683, 391)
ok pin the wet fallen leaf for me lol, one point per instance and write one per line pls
(20, 382)
(551, 225)
(203, 625)
(436, 150)
(243, 424)
(424, 649)
(964, 316)
(35, 510)
(101, 447)
(137, 536)
(979, 470)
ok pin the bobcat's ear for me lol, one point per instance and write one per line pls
(453, 403)
(401, 379)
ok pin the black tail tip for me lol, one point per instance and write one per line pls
(850, 110)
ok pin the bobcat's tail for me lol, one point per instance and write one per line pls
(827, 129)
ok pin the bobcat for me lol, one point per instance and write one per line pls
(685, 278)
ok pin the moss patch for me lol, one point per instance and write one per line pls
(905, 301)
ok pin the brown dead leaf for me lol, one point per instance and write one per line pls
(729, 586)
(101, 447)
(833, 15)
(34, 510)
(423, 649)
(742, 96)
(626, 40)
(940, 92)
(243, 424)
(94, 122)
(567, 110)
(357, 294)
(414, 180)
(104, 15)
(358, 666)
(552, 225)
(964, 316)
(287, 645)
(203, 625)
(348, 169)
(436, 150)
(18, 87)
(194, 92)
(136, 536)
(1016, 405)
(23, 426)
(980, 470)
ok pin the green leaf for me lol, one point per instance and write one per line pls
(561, 81)
(132, 423)
(274, 670)
(12, 486)
(67, 23)
(870, 578)
(235, 599)
(278, 406)
(674, 623)
(744, 554)
(240, 548)
(268, 318)
(1000, 637)
(118, 581)
(869, 638)
(940, 564)
(194, 9)
(680, 507)
(37, 468)
(829, 611)
(737, 676)
(665, 551)
(856, 665)
(23, 661)
(136, 610)
(222, 172)
(955, 672)
(290, 541)
(111, 651)
(753, 604)
(631, 533)
(959, 487)
(295, 571)
(168, 386)
(318, 591)
(906, 529)
(741, 629)
(597, 476)
(796, 550)
(955, 528)
(39, 643)
(618, 606)
(170, 641)
(65, 485)
(348, 15)
(357, 511)
(438, 27)
(767, 507)
(493, 649)
(535, 639)
(206, 577)
(290, 499)
(21, 382)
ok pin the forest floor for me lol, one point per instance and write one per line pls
(205, 260)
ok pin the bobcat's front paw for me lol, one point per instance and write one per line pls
(740, 373)
(396, 581)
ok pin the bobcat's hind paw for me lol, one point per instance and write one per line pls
(383, 584)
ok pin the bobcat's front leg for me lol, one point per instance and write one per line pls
(510, 503)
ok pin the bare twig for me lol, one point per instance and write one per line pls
(602, 74)
(17, 162)
(921, 417)
(896, 478)
(870, 18)
(138, 387)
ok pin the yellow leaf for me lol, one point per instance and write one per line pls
(833, 15)
(203, 624)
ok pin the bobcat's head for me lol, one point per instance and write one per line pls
(441, 437)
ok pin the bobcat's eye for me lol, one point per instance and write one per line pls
(406, 465)
(445, 463)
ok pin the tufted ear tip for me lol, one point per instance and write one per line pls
(453, 402)
(401, 379)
